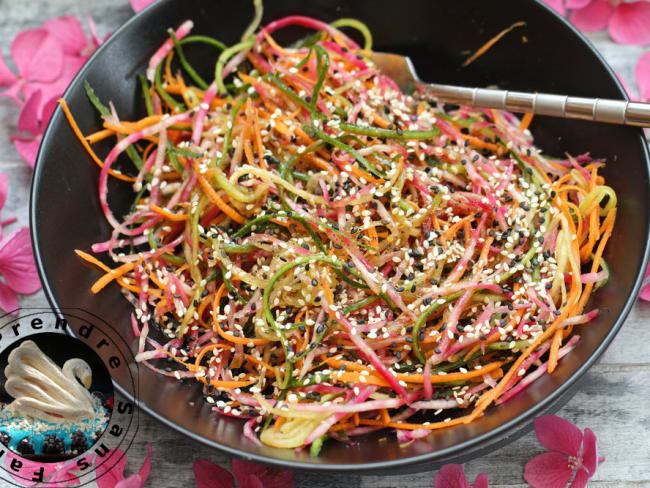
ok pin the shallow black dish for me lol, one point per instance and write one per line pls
(546, 55)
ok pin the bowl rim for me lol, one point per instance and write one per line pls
(518, 424)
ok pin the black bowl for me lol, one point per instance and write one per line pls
(546, 55)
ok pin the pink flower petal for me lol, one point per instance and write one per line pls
(109, 474)
(270, 477)
(71, 66)
(27, 147)
(29, 466)
(67, 29)
(48, 110)
(145, 469)
(644, 294)
(450, 476)
(38, 55)
(7, 77)
(642, 75)
(548, 470)
(8, 299)
(209, 475)
(557, 434)
(630, 23)
(626, 87)
(250, 481)
(28, 118)
(481, 481)
(590, 451)
(64, 475)
(17, 262)
(576, 4)
(581, 479)
(138, 5)
(557, 5)
(96, 41)
(4, 189)
(13, 91)
(594, 17)
(133, 481)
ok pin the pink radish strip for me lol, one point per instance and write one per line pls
(167, 46)
(305, 22)
(105, 246)
(199, 120)
(249, 432)
(435, 404)
(349, 56)
(119, 148)
(580, 319)
(469, 252)
(331, 420)
(451, 328)
(540, 371)
(369, 352)
(594, 277)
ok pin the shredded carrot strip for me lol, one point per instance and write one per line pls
(110, 276)
(86, 146)
(486, 47)
(214, 196)
(167, 214)
(99, 135)
(525, 121)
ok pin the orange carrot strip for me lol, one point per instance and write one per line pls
(99, 135)
(167, 214)
(525, 121)
(110, 276)
(214, 196)
(485, 47)
(86, 146)
(556, 342)
(221, 332)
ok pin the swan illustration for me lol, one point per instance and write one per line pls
(43, 390)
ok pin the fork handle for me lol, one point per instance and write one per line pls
(596, 109)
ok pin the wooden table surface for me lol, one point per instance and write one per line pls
(614, 398)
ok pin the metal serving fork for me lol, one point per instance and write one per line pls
(401, 70)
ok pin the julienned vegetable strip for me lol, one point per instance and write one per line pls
(324, 253)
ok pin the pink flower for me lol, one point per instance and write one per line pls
(453, 476)
(31, 122)
(114, 477)
(572, 454)
(138, 5)
(63, 474)
(642, 75)
(38, 57)
(627, 22)
(27, 468)
(644, 294)
(248, 475)
(17, 267)
(46, 59)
